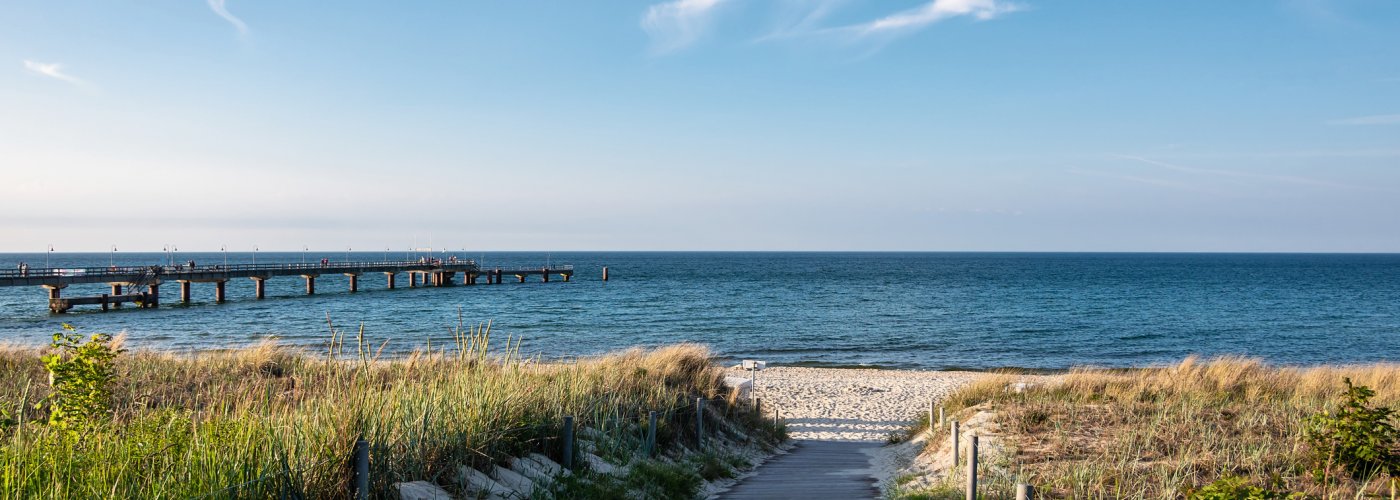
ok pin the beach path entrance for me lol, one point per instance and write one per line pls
(812, 470)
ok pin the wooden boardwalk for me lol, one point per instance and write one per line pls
(813, 470)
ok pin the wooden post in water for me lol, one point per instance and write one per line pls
(152, 296)
(389, 279)
(104, 302)
(117, 290)
(972, 468)
(1026, 492)
(219, 292)
(184, 292)
(354, 282)
(259, 287)
(310, 284)
(605, 273)
(568, 444)
(544, 275)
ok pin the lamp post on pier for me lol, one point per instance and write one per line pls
(255, 255)
(112, 257)
(303, 255)
(224, 249)
(46, 256)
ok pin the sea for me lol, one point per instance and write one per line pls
(937, 311)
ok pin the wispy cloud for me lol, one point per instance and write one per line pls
(1368, 120)
(219, 8)
(1153, 181)
(52, 70)
(869, 37)
(674, 25)
(937, 10)
(799, 17)
(1283, 179)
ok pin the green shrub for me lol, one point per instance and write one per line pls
(80, 373)
(654, 479)
(1238, 488)
(1357, 438)
(711, 467)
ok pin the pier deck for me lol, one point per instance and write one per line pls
(434, 273)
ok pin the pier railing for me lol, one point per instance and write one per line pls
(329, 267)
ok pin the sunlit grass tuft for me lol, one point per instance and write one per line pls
(269, 420)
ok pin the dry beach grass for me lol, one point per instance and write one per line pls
(1156, 433)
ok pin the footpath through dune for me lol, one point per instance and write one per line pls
(839, 419)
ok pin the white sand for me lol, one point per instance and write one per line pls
(840, 404)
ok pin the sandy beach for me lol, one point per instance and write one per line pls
(842, 404)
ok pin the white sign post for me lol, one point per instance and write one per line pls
(753, 366)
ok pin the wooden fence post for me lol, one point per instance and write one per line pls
(972, 468)
(651, 433)
(1024, 491)
(568, 442)
(931, 427)
(955, 445)
(360, 485)
(699, 422)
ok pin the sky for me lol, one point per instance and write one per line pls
(943, 125)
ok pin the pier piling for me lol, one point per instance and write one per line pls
(123, 281)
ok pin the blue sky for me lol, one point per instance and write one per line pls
(701, 125)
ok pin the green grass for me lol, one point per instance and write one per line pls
(269, 421)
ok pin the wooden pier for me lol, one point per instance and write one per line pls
(437, 273)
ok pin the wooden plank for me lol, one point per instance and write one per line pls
(812, 470)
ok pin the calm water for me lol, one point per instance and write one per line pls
(927, 310)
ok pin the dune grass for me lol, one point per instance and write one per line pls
(269, 420)
(1169, 432)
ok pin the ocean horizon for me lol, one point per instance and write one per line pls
(924, 310)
